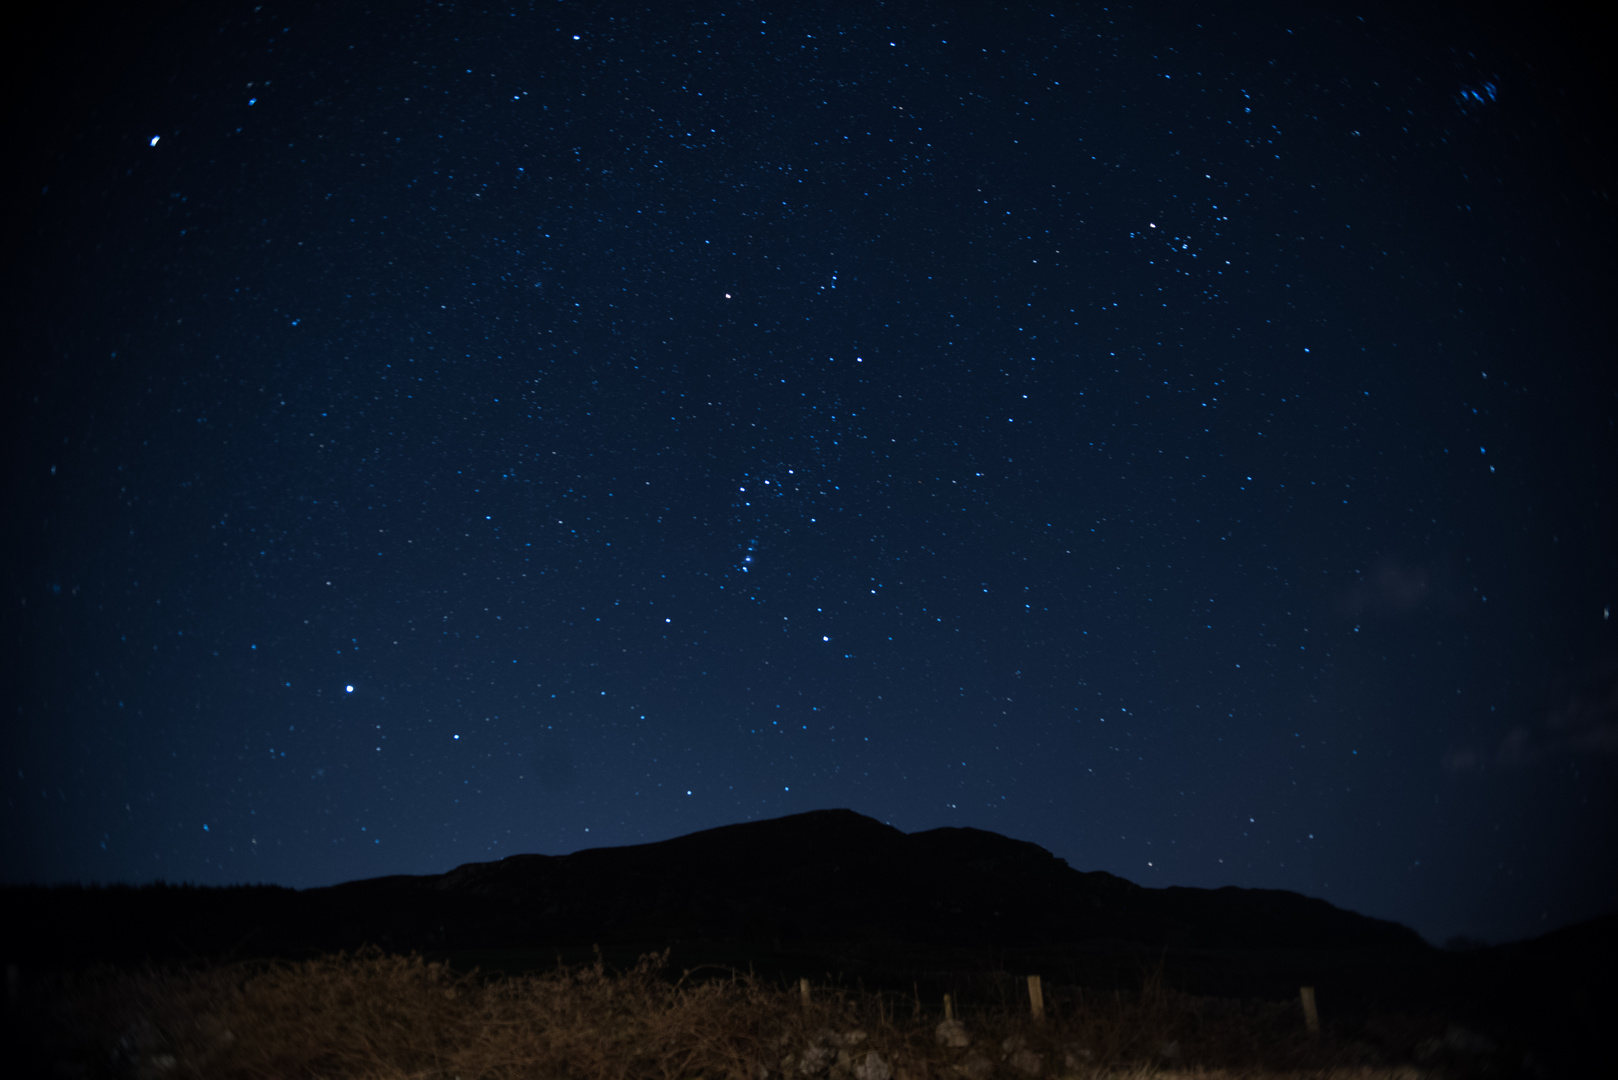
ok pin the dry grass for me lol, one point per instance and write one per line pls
(372, 1016)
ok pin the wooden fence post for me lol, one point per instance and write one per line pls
(803, 991)
(1311, 1018)
(949, 1008)
(1036, 998)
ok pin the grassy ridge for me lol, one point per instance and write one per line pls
(377, 1015)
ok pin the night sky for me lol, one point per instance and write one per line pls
(1182, 438)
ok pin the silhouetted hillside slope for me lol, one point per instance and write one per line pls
(820, 877)
(837, 875)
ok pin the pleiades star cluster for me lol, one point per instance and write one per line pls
(1182, 437)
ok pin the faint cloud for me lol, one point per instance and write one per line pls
(1583, 723)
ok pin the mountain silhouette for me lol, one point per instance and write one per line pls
(837, 875)
(822, 881)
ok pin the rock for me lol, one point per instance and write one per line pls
(828, 1047)
(1015, 1052)
(816, 1058)
(952, 1033)
(872, 1067)
(845, 1056)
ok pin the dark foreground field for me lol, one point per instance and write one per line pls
(820, 947)
(373, 1014)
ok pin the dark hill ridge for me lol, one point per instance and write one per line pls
(836, 896)
(835, 875)
(814, 884)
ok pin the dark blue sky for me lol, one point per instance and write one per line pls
(1179, 438)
